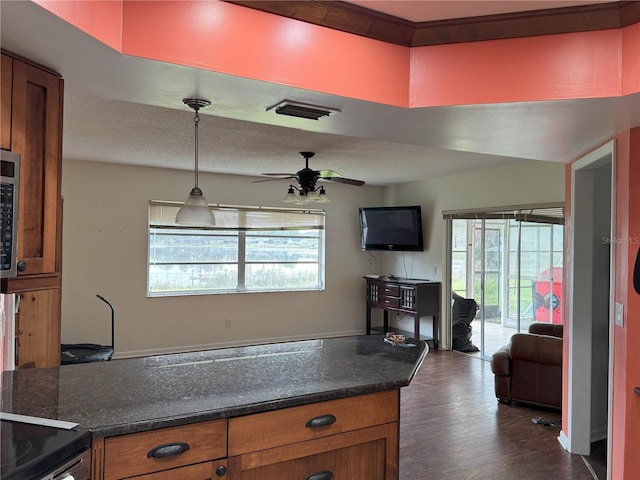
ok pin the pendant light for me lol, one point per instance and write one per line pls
(196, 211)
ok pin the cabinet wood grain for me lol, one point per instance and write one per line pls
(36, 123)
(288, 425)
(201, 471)
(38, 328)
(31, 126)
(369, 453)
(5, 101)
(128, 455)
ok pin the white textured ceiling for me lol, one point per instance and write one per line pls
(128, 110)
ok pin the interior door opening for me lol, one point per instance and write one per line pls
(509, 263)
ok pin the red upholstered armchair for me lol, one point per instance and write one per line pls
(529, 368)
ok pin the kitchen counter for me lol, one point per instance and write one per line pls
(135, 395)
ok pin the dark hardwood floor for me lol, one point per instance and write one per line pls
(452, 427)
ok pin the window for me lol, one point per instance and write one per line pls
(251, 249)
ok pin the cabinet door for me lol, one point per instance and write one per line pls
(201, 471)
(38, 329)
(6, 76)
(36, 136)
(370, 454)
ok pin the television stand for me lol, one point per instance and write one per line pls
(417, 298)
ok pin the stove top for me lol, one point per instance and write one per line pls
(30, 451)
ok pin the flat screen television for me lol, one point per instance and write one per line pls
(391, 228)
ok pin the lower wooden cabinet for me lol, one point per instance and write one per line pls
(201, 471)
(354, 438)
(349, 438)
(370, 453)
(164, 449)
(38, 329)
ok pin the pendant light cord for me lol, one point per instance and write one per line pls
(196, 120)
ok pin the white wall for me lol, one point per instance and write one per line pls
(105, 252)
(533, 182)
(530, 183)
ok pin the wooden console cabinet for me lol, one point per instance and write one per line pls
(350, 438)
(416, 298)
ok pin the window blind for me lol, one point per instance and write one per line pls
(242, 218)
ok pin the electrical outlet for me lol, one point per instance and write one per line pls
(619, 314)
(227, 323)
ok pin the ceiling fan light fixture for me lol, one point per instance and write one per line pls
(312, 196)
(291, 196)
(322, 196)
(195, 211)
(302, 110)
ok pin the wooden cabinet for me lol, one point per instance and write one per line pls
(416, 298)
(38, 328)
(350, 438)
(354, 437)
(165, 450)
(200, 471)
(6, 80)
(369, 453)
(32, 127)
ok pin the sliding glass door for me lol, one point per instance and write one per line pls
(510, 264)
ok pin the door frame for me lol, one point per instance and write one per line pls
(577, 438)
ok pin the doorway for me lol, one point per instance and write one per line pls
(590, 305)
(509, 261)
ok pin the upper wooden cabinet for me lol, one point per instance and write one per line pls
(32, 127)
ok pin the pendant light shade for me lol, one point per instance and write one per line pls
(196, 211)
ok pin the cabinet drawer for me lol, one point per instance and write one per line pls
(289, 425)
(201, 471)
(389, 289)
(389, 302)
(128, 455)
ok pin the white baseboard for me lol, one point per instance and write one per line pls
(564, 441)
(234, 343)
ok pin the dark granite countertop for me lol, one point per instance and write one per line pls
(133, 395)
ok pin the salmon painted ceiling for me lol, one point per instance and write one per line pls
(436, 110)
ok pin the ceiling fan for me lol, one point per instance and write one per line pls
(307, 179)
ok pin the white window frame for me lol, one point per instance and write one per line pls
(240, 222)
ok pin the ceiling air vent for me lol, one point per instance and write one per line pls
(302, 110)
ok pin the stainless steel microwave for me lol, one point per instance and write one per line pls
(9, 197)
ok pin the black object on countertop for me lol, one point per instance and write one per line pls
(31, 451)
(71, 354)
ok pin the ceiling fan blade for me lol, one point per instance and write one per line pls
(348, 181)
(336, 177)
(279, 174)
(328, 174)
(271, 179)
